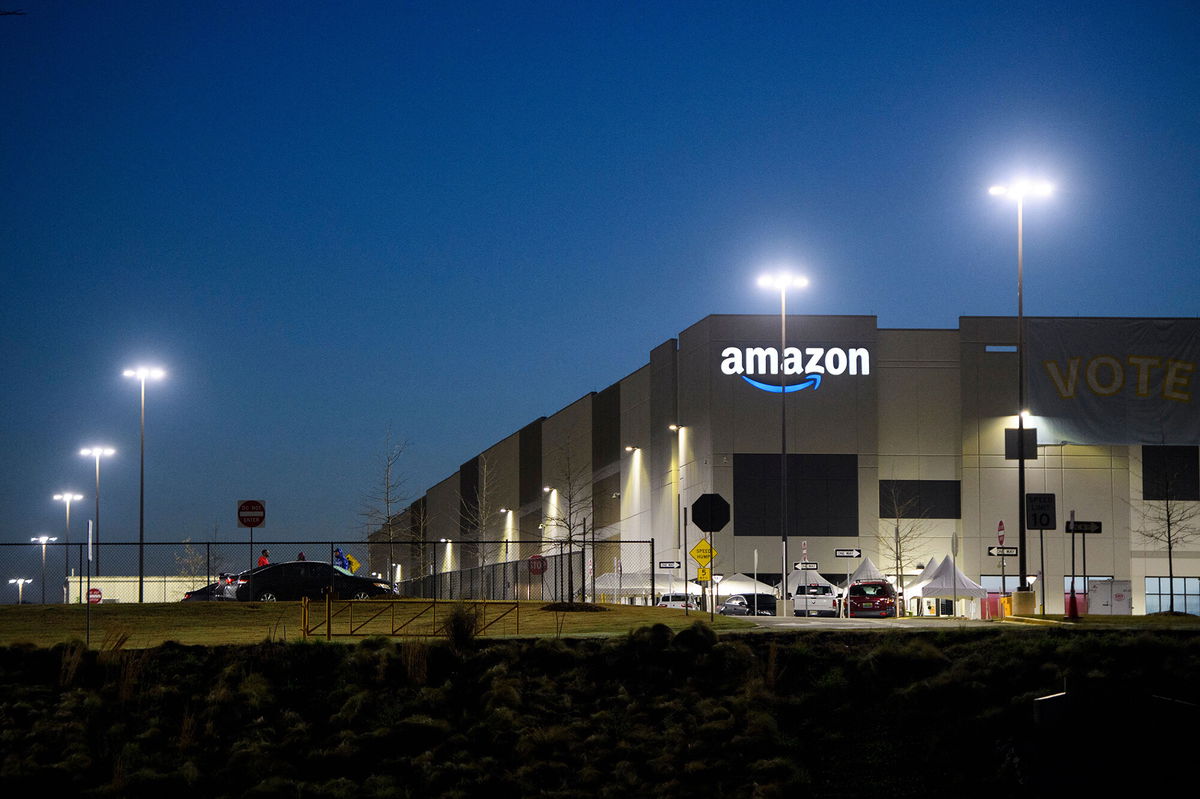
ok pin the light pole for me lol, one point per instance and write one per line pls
(43, 540)
(781, 282)
(20, 583)
(67, 497)
(142, 374)
(97, 453)
(1018, 190)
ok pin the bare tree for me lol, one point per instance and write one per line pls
(1170, 521)
(903, 543)
(478, 510)
(570, 511)
(382, 504)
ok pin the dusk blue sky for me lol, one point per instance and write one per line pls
(328, 220)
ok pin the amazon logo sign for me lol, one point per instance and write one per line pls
(810, 364)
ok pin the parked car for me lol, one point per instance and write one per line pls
(815, 600)
(302, 578)
(872, 598)
(213, 592)
(680, 601)
(748, 605)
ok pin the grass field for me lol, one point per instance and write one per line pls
(141, 626)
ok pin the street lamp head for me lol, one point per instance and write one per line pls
(1020, 189)
(43, 539)
(781, 281)
(96, 452)
(67, 496)
(631, 448)
(144, 373)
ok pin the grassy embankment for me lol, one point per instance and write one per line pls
(214, 623)
(649, 713)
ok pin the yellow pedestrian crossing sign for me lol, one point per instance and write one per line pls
(703, 552)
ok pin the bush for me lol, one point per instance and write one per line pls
(461, 626)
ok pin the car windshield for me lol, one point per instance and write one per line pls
(346, 572)
(870, 589)
(815, 590)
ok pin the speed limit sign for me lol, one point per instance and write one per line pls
(1040, 513)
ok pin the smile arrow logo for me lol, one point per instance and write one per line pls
(812, 381)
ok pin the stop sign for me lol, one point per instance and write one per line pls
(710, 513)
(94, 596)
(537, 564)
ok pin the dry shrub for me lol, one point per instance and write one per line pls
(415, 657)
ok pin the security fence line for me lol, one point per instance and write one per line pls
(550, 570)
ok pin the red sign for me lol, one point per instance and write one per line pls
(537, 564)
(94, 596)
(1000, 533)
(251, 513)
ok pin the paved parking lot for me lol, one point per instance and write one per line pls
(906, 623)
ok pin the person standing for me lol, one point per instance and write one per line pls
(264, 558)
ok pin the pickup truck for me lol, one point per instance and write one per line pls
(815, 600)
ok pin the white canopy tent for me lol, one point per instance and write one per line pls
(867, 570)
(742, 584)
(808, 577)
(914, 586)
(947, 582)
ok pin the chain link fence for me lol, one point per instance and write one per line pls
(592, 571)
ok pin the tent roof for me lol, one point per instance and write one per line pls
(743, 584)
(914, 588)
(807, 577)
(947, 581)
(867, 570)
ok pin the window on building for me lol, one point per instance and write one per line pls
(992, 582)
(1170, 473)
(822, 495)
(1185, 589)
(920, 499)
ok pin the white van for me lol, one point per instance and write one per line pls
(815, 600)
(680, 601)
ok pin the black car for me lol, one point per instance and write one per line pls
(213, 592)
(748, 605)
(302, 578)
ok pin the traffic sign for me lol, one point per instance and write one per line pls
(537, 564)
(1083, 527)
(1000, 532)
(1002, 551)
(703, 552)
(1040, 512)
(704, 574)
(94, 596)
(710, 512)
(669, 564)
(251, 513)
(847, 553)
(804, 565)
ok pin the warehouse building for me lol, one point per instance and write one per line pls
(895, 440)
